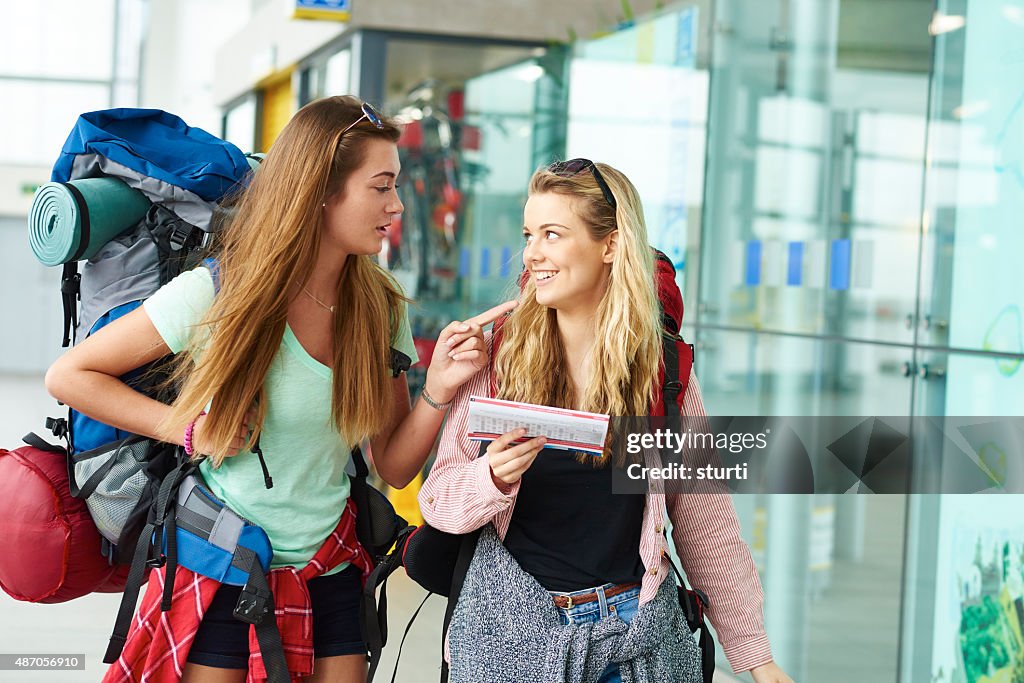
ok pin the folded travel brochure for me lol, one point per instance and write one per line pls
(569, 430)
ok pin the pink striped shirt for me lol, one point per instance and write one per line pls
(460, 496)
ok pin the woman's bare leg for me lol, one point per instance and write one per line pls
(344, 669)
(197, 673)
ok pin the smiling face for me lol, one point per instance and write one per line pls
(569, 267)
(357, 218)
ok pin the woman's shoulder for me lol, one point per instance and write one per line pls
(177, 307)
(192, 286)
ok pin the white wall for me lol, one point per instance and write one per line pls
(179, 55)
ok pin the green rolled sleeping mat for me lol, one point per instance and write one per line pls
(72, 221)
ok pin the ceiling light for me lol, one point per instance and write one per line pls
(529, 73)
(944, 23)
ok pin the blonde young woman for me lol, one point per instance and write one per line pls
(568, 564)
(294, 348)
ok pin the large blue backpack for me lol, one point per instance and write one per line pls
(184, 172)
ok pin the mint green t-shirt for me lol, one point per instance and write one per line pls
(305, 454)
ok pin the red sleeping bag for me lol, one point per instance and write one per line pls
(51, 548)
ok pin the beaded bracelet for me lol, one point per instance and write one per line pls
(189, 428)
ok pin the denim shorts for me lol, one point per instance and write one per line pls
(624, 606)
(223, 641)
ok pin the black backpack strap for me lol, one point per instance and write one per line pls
(70, 284)
(678, 363)
(373, 612)
(175, 239)
(466, 551)
(694, 602)
(360, 496)
(256, 606)
(141, 559)
(373, 616)
(130, 597)
(87, 488)
(165, 527)
(671, 386)
(36, 441)
(70, 281)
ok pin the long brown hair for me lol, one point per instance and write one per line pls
(530, 365)
(265, 255)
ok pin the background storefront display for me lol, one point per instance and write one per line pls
(979, 598)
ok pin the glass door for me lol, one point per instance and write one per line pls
(807, 298)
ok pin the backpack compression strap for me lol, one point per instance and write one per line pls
(256, 606)
(140, 562)
(70, 281)
(694, 602)
(678, 359)
(373, 615)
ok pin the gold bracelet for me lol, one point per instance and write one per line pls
(428, 399)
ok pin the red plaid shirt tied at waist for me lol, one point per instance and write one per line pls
(158, 642)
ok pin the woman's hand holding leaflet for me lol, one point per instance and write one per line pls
(508, 462)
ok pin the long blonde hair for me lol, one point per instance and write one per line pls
(530, 364)
(266, 253)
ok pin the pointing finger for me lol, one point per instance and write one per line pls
(492, 314)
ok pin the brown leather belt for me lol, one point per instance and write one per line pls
(565, 601)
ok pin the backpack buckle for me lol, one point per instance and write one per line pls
(71, 285)
(58, 426)
(252, 604)
(179, 235)
(157, 562)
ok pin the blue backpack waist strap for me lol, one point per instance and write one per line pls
(209, 535)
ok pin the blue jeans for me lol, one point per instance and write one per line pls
(623, 606)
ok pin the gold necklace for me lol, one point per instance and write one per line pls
(322, 304)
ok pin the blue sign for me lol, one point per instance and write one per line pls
(839, 274)
(795, 272)
(334, 10)
(753, 269)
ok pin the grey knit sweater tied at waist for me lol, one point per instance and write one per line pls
(506, 629)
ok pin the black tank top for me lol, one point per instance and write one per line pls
(569, 531)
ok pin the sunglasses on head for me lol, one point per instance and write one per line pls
(369, 114)
(568, 169)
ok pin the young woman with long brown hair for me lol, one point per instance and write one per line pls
(295, 348)
(568, 564)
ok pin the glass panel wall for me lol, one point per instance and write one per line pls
(747, 373)
(815, 168)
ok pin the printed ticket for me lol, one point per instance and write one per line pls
(569, 430)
